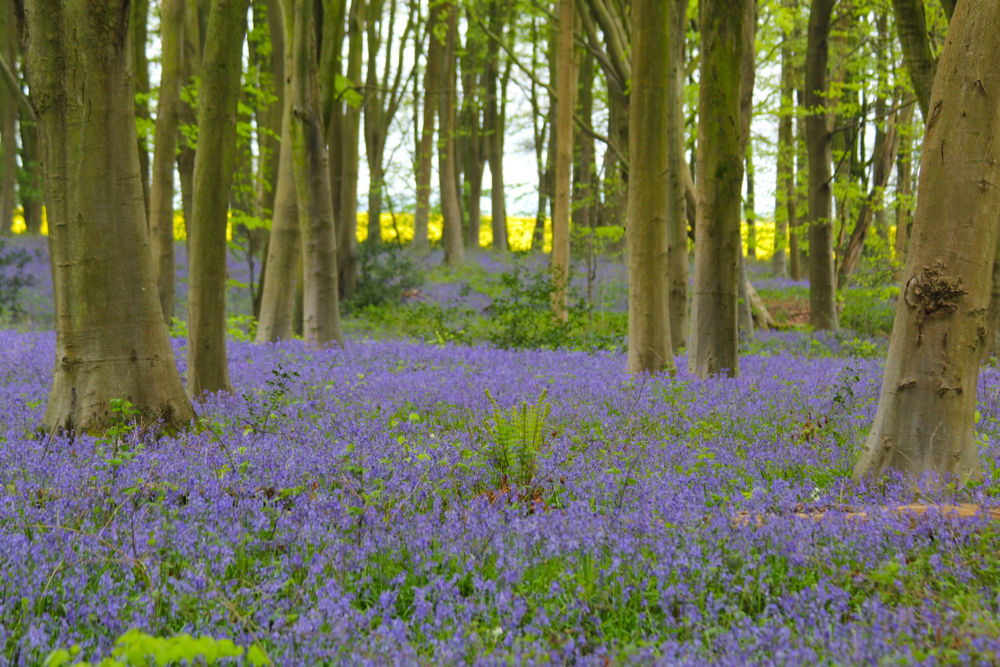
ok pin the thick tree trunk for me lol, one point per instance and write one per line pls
(714, 338)
(563, 137)
(649, 346)
(925, 422)
(320, 306)
(822, 279)
(161, 196)
(111, 342)
(451, 208)
(677, 170)
(214, 163)
(277, 307)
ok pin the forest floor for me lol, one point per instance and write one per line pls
(465, 482)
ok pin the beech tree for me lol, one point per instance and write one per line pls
(926, 411)
(161, 191)
(565, 103)
(714, 338)
(111, 341)
(649, 347)
(215, 160)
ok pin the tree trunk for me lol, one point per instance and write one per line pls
(140, 81)
(451, 209)
(677, 169)
(494, 118)
(190, 68)
(8, 119)
(991, 346)
(784, 190)
(714, 339)
(277, 307)
(111, 342)
(425, 152)
(345, 209)
(750, 206)
(904, 184)
(925, 421)
(565, 104)
(161, 196)
(822, 279)
(917, 56)
(214, 163)
(649, 346)
(320, 307)
(32, 188)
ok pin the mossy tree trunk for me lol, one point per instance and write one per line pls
(677, 169)
(925, 421)
(215, 161)
(8, 118)
(320, 303)
(649, 346)
(819, 131)
(111, 341)
(714, 335)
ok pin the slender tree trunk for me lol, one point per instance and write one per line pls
(747, 70)
(346, 204)
(565, 104)
(494, 122)
(283, 251)
(8, 119)
(111, 342)
(320, 307)
(140, 78)
(784, 190)
(161, 197)
(32, 188)
(451, 209)
(425, 152)
(904, 184)
(822, 279)
(925, 422)
(750, 206)
(214, 164)
(677, 254)
(714, 338)
(271, 116)
(188, 115)
(917, 56)
(649, 346)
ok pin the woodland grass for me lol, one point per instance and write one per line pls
(440, 500)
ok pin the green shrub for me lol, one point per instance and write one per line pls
(869, 310)
(385, 273)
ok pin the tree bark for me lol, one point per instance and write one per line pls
(649, 346)
(714, 338)
(822, 279)
(140, 81)
(677, 169)
(8, 119)
(494, 121)
(320, 306)
(904, 185)
(111, 342)
(345, 209)
(565, 104)
(190, 68)
(451, 209)
(425, 152)
(161, 196)
(925, 421)
(917, 56)
(277, 306)
(784, 190)
(214, 163)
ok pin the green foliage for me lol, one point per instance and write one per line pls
(119, 444)
(136, 648)
(385, 274)
(522, 314)
(513, 446)
(869, 310)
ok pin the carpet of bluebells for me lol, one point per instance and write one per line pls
(405, 502)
